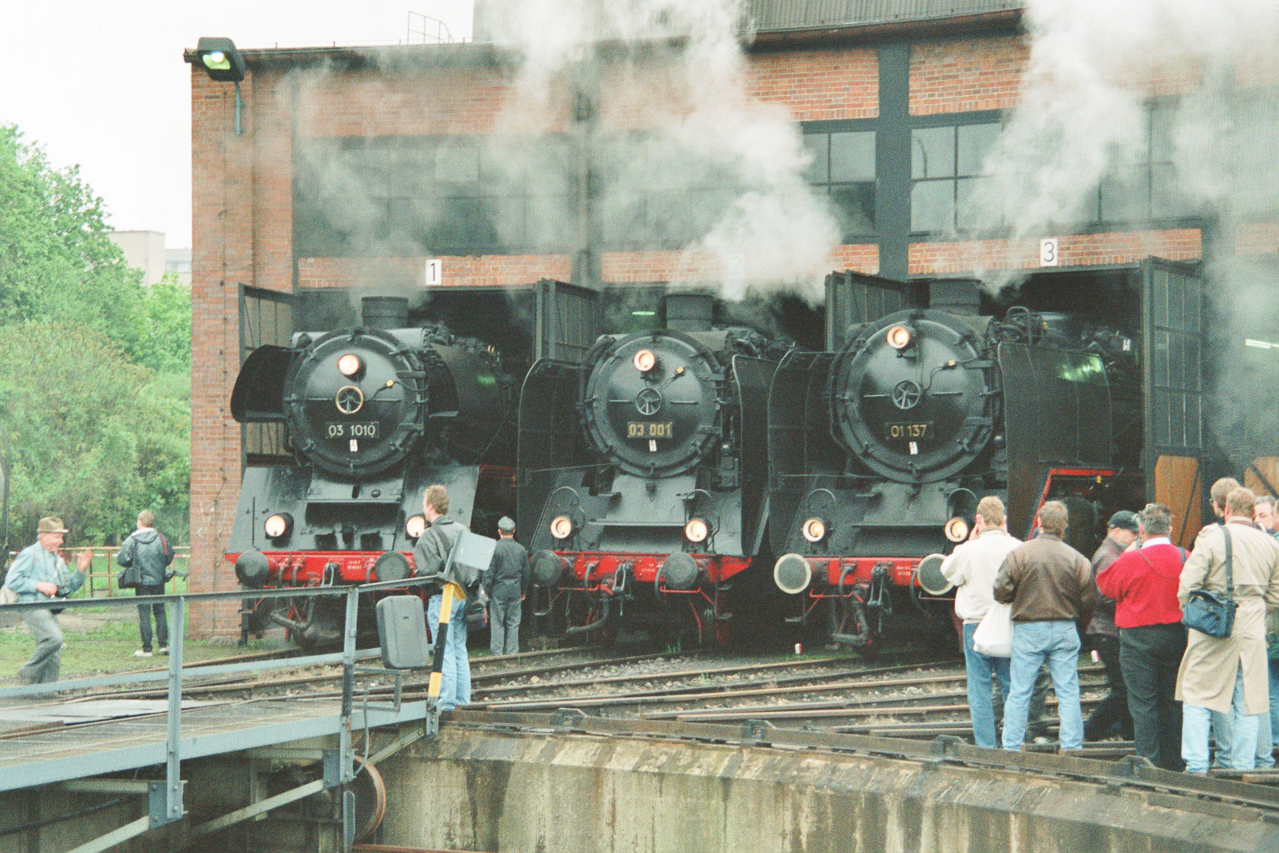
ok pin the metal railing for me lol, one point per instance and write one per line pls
(102, 583)
(166, 804)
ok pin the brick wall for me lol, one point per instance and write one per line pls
(1118, 247)
(818, 85)
(968, 75)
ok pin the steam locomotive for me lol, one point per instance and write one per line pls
(372, 415)
(880, 448)
(642, 472)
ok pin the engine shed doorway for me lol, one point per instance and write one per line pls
(1157, 311)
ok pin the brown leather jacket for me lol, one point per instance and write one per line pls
(1045, 580)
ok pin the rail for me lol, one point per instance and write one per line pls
(166, 804)
(102, 582)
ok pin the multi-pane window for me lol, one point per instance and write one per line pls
(946, 170)
(418, 195)
(1147, 189)
(843, 169)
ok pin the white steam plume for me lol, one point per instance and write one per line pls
(708, 171)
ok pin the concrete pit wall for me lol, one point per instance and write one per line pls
(489, 791)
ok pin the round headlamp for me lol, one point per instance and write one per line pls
(415, 526)
(350, 365)
(696, 530)
(278, 525)
(815, 529)
(561, 526)
(898, 336)
(956, 529)
(645, 360)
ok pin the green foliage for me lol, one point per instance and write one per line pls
(94, 367)
(93, 438)
(57, 261)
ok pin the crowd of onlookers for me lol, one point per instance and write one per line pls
(1171, 689)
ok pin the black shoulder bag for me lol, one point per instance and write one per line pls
(1212, 614)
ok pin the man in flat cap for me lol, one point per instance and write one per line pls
(1103, 636)
(506, 582)
(39, 573)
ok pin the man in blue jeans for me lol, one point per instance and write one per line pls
(1050, 587)
(972, 568)
(429, 556)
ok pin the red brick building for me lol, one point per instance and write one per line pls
(353, 168)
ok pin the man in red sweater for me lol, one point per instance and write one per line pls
(1143, 584)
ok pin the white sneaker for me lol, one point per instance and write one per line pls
(142, 653)
(163, 650)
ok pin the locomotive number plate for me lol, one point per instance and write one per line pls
(909, 432)
(649, 429)
(354, 429)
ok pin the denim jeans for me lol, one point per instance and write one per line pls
(1243, 740)
(1035, 643)
(1274, 702)
(981, 705)
(455, 675)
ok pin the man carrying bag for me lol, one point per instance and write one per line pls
(1228, 674)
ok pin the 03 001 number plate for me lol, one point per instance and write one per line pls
(909, 431)
(649, 429)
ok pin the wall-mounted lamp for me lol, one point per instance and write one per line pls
(221, 61)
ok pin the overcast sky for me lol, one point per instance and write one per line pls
(102, 85)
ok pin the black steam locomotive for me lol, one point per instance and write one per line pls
(642, 487)
(372, 416)
(881, 447)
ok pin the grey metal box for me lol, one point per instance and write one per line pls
(401, 629)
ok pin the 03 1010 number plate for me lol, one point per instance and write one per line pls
(649, 429)
(909, 431)
(355, 429)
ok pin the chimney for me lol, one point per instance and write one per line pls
(385, 312)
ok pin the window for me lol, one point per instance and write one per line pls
(946, 171)
(425, 195)
(1147, 189)
(843, 169)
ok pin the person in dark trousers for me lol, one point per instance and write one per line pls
(1103, 635)
(429, 556)
(506, 582)
(39, 573)
(1143, 585)
(1050, 587)
(146, 555)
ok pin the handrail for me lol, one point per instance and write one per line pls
(169, 807)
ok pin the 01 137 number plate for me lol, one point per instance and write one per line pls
(909, 431)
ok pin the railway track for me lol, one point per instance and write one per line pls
(902, 695)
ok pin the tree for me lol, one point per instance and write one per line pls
(91, 439)
(57, 262)
(94, 368)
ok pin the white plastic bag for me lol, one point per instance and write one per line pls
(994, 636)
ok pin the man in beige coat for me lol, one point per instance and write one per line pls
(1228, 674)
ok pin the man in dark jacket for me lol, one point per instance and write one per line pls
(1103, 636)
(146, 556)
(1050, 586)
(507, 583)
(430, 555)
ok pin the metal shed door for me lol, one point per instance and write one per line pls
(853, 298)
(1172, 366)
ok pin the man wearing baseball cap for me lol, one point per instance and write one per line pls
(39, 573)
